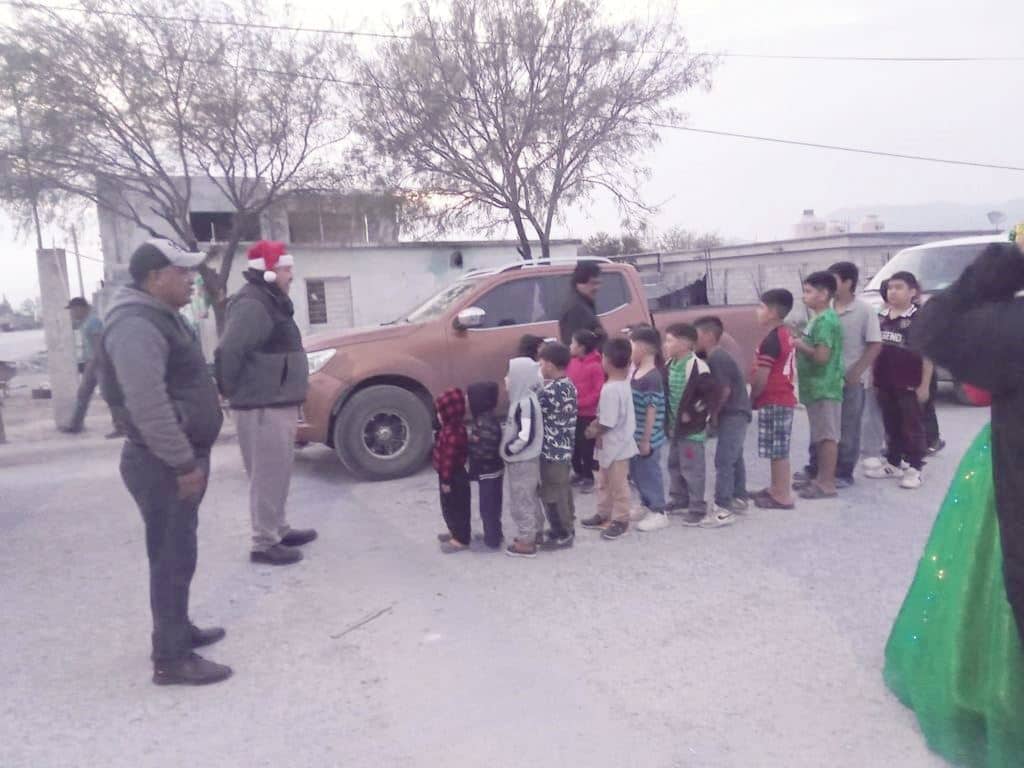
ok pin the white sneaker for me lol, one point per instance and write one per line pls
(654, 521)
(872, 462)
(638, 513)
(884, 472)
(718, 518)
(911, 479)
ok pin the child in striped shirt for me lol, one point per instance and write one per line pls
(649, 405)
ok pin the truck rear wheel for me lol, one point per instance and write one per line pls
(383, 432)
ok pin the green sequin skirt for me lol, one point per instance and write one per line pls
(954, 655)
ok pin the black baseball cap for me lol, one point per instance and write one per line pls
(159, 253)
(78, 301)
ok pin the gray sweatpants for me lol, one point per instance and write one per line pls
(523, 493)
(687, 465)
(267, 439)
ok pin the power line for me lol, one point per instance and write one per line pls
(834, 147)
(492, 43)
(652, 124)
(668, 126)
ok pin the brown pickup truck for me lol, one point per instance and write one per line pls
(371, 391)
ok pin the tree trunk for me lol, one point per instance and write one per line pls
(545, 247)
(218, 297)
(525, 250)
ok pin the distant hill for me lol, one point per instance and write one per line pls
(934, 216)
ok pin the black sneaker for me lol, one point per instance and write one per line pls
(192, 670)
(937, 446)
(560, 542)
(615, 530)
(844, 482)
(594, 523)
(691, 519)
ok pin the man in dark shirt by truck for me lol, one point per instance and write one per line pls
(580, 313)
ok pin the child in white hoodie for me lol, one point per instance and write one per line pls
(522, 440)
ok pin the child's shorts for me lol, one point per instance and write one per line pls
(774, 430)
(825, 417)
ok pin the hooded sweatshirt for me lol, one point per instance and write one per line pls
(155, 379)
(485, 446)
(523, 434)
(451, 442)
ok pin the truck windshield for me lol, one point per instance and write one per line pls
(438, 304)
(935, 268)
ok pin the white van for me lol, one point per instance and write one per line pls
(936, 266)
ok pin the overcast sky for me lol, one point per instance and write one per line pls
(744, 189)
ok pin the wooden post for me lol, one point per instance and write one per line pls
(60, 337)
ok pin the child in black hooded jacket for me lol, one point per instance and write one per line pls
(485, 463)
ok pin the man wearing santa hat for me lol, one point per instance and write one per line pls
(263, 372)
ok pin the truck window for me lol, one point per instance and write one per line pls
(517, 302)
(614, 293)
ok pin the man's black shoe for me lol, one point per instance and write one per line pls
(296, 537)
(276, 555)
(192, 670)
(937, 446)
(201, 637)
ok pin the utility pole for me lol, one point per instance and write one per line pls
(78, 262)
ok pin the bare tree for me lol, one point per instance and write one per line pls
(507, 111)
(139, 99)
(680, 239)
(24, 190)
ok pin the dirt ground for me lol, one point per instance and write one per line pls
(755, 645)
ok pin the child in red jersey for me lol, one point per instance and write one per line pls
(774, 397)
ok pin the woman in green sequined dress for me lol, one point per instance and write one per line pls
(955, 655)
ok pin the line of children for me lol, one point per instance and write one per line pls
(572, 408)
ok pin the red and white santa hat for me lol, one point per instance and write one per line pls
(267, 256)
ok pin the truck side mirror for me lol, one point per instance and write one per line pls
(471, 317)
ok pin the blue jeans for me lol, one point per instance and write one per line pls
(646, 473)
(730, 469)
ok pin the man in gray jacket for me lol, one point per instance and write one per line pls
(163, 398)
(262, 370)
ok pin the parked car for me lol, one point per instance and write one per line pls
(371, 390)
(936, 266)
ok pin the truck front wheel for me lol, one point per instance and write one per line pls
(383, 432)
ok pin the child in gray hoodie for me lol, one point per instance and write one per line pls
(522, 440)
